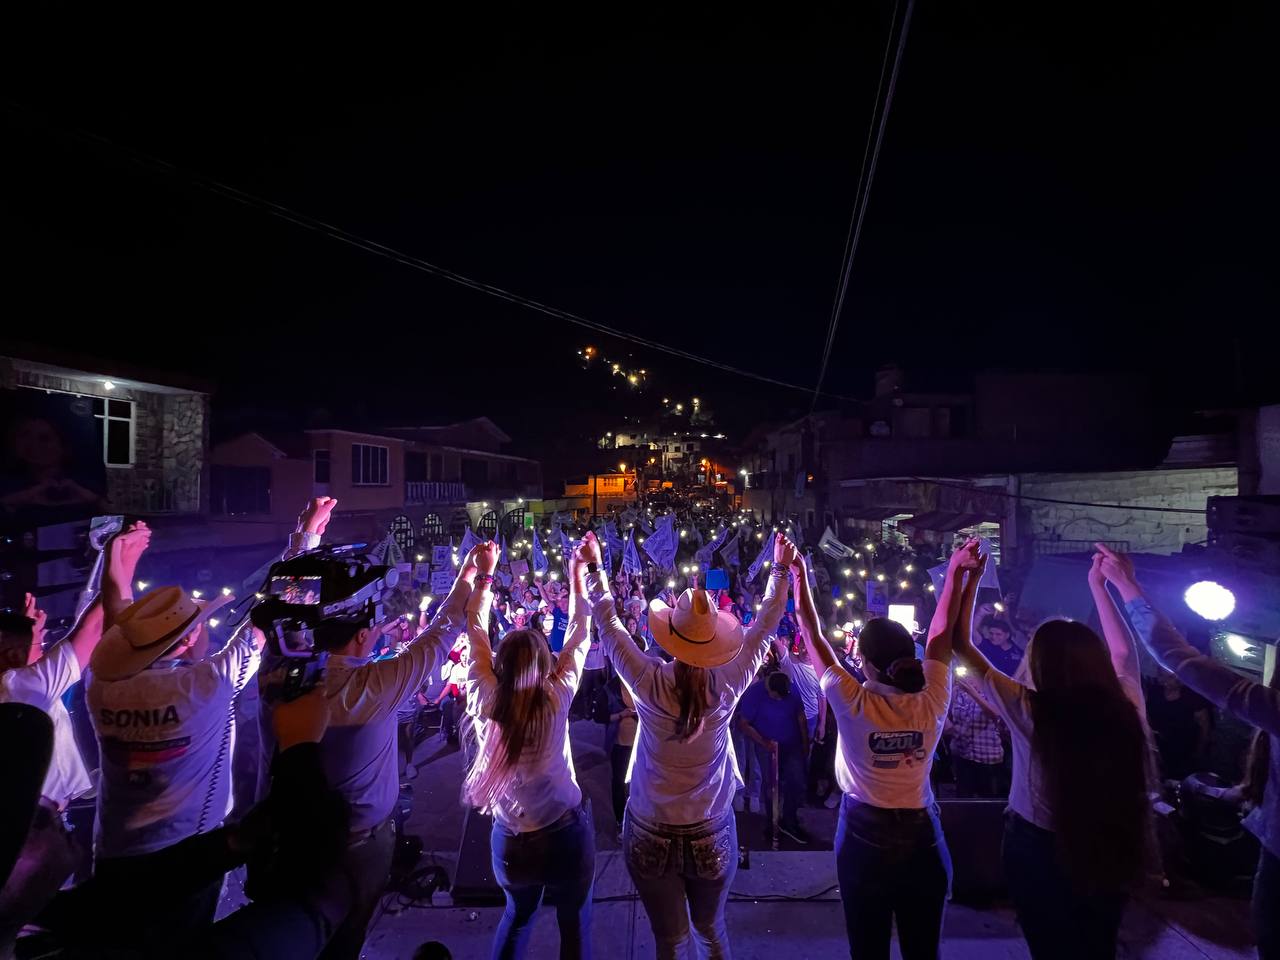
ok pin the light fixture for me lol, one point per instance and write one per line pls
(197, 594)
(1238, 645)
(419, 558)
(1210, 600)
(226, 591)
(862, 573)
(902, 584)
(839, 603)
(929, 588)
(880, 577)
(847, 572)
(850, 597)
(108, 385)
(142, 584)
(214, 622)
(909, 568)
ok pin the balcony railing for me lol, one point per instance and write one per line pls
(434, 491)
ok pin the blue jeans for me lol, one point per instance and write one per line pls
(682, 874)
(1057, 921)
(892, 864)
(558, 860)
(1266, 905)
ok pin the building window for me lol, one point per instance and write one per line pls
(116, 420)
(321, 459)
(488, 525)
(475, 473)
(369, 465)
(432, 526)
(402, 530)
(436, 468)
(238, 491)
(688, 447)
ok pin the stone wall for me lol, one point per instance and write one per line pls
(185, 436)
(1145, 531)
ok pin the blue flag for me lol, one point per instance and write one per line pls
(704, 554)
(662, 544)
(631, 557)
(539, 558)
(566, 549)
(504, 558)
(469, 540)
(757, 564)
(729, 552)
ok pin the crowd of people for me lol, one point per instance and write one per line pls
(709, 700)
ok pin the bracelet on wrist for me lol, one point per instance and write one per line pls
(485, 577)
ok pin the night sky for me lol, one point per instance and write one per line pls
(1062, 186)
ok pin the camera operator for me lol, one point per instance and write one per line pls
(160, 706)
(359, 749)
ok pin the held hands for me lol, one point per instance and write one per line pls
(588, 551)
(785, 554)
(965, 559)
(1117, 568)
(125, 550)
(315, 515)
(484, 557)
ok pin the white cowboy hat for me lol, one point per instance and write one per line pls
(149, 628)
(694, 631)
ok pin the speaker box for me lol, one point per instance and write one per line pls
(473, 880)
(975, 830)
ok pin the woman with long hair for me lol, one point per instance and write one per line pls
(679, 836)
(891, 858)
(1076, 831)
(1257, 704)
(542, 840)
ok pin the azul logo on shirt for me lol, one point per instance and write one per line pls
(893, 747)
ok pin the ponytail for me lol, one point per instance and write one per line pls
(906, 674)
(691, 694)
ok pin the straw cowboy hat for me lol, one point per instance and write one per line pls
(694, 631)
(148, 629)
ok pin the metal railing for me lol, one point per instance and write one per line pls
(434, 491)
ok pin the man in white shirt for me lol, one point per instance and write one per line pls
(31, 675)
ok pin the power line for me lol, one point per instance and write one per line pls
(863, 192)
(1068, 503)
(391, 253)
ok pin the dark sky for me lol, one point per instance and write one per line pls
(1062, 185)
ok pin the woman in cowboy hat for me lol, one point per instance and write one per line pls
(679, 835)
(891, 858)
(542, 841)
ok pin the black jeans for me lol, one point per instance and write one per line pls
(367, 866)
(1057, 921)
(976, 779)
(892, 865)
(1266, 906)
(559, 860)
(619, 759)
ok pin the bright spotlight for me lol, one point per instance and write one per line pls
(1210, 600)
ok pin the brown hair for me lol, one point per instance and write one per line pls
(692, 692)
(1087, 733)
(517, 719)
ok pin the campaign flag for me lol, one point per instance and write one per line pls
(388, 551)
(813, 576)
(990, 578)
(611, 537)
(558, 519)
(938, 574)
(704, 554)
(766, 551)
(631, 557)
(539, 558)
(830, 545)
(662, 544)
(469, 540)
(729, 552)
(504, 559)
(644, 524)
(566, 548)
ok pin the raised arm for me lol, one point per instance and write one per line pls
(942, 628)
(964, 592)
(481, 681)
(577, 635)
(1120, 642)
(312, 522)
(123, 553)
(633, 666)
(1254, 703)
(741, 670)
(811, 628)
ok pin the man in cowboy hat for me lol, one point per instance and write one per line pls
(161, 710)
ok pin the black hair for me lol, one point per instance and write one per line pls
(333, 635)
(779, 683)
(16, 630)
(995, 623)
(888, 647)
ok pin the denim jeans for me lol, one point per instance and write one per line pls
(976, 779)
(1057, 921)
(682, 874)
(558, 860)
(892, 865)
(1266, 906)
(791, 782)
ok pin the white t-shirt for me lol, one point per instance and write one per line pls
(166, 741)
(42, 685)
(545, 783)
(887, 737)
(805, 680)
(1012, 700)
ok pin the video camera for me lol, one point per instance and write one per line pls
(329, 585)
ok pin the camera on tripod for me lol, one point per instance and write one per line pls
(330, 588)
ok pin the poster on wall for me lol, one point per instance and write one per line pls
(52, 466)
